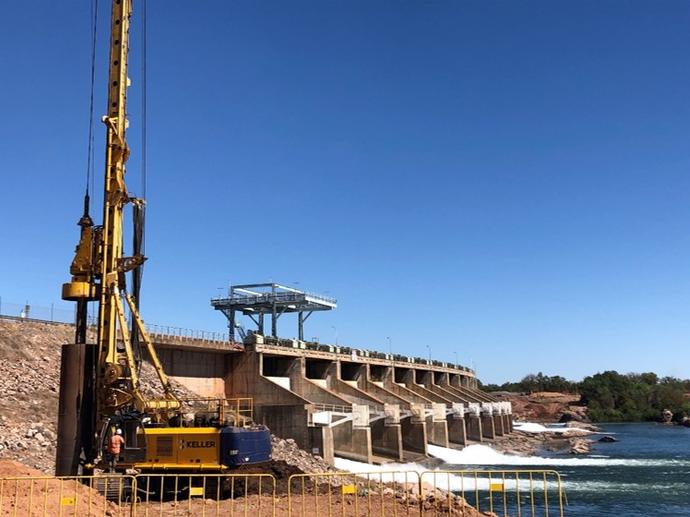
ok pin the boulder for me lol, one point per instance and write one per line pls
(608, 439)
(667, 416)
(582, 425)
(580, 446)
(573, 415)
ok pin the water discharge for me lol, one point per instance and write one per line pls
(482, 455)
(646, 473)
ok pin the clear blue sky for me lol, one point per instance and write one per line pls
(508, 180)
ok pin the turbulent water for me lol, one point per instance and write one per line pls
(645, 473)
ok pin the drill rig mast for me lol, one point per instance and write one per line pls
(110, 379)
(99, 383)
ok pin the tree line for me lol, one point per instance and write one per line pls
(612, 396)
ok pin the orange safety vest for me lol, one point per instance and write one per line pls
(116, 442)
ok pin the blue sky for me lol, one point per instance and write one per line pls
(505, 180)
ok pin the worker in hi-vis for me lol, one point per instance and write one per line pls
(115, 445)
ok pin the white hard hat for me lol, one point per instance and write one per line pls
(119, 431)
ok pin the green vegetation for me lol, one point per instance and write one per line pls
(614, 397)
(539, 382)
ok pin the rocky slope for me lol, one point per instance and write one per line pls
(29, 378)
(29, 387)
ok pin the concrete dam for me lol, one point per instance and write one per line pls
(332, 400)
(346, 404)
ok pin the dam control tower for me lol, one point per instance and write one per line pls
(257, 301)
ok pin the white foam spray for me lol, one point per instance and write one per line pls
(531, 427)
(480, 455)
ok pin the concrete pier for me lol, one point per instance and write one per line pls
(488, 421)
(374, 378)
(457, 432)
(473, 423)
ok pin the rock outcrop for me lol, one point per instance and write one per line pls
(546, 406)
(608, 439)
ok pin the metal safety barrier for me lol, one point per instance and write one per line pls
(205, 495)
(390, 493)
(82, 496)
(516, 493)
(462, 493)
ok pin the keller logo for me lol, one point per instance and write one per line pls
(194, 444)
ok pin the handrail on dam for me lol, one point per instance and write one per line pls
(178, 333)
(332, 407)
(354, 352)
(203, 335)
(159, 330)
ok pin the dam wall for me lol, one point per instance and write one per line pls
(348, 403)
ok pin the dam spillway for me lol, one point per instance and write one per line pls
(340, 401)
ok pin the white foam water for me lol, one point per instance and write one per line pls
(400, 473)
(358, 467)
(485, 455)
(530, 427)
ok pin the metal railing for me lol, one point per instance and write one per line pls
(515, 493)
(179, 332)
(370, 493)
(53, 314)
(502, 492)
(60, 315)
(358, 352)
(332, 407)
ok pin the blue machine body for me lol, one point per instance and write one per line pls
(245, 445)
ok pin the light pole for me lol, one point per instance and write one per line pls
(456, 360)
(429, 350)
(335, 329)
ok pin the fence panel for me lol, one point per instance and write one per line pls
(390, 494)
(205, 495)
(518, 493)
(78, 496)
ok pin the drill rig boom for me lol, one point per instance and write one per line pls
(100, 385)
(100, 267)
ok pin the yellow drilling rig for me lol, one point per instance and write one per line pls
(100, 389)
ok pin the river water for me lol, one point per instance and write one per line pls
(645, 473)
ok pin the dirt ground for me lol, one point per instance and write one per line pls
(344, 506)
(25, 491)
